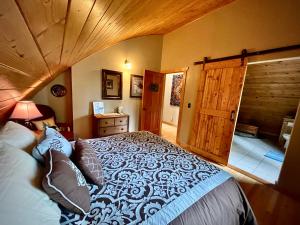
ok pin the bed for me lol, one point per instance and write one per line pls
(151, 181)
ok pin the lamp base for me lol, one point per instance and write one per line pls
(29, 125)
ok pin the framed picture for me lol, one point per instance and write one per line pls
(136, 86)
(98, 108)
(111, 84)
(176, 90)
(58, 90)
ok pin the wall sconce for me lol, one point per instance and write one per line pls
(127, 64)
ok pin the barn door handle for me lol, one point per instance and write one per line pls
(232, 115)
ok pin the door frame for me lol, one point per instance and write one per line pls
(183, 70)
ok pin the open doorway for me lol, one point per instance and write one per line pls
(266, 117)
(171, 105)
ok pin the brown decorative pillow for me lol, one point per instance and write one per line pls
(65, 184)
(86, 159)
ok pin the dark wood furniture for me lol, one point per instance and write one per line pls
(66, 129)
(111, 84)
(246, 128)
(110, 124)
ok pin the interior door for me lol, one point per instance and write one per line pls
(218, 100)
(152, 102)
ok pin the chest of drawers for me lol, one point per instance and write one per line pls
(105, 125)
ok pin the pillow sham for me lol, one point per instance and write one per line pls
(65, 184)
(22, 199)
(18, 136)
(41, 124)
(54, 140)
(85, 158)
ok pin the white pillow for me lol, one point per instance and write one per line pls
(21, 199)
(18, 136)
(54, 140)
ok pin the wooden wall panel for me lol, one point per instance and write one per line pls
(271, 91)
(14, 79)
(39, 39)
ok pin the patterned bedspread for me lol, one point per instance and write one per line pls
(147, 181)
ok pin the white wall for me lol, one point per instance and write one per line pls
(170, 112)
(143, 53)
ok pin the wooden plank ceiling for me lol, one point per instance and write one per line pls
(40, 38)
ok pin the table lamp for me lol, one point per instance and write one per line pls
(25, 110)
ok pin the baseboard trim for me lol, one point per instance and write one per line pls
(171, 124)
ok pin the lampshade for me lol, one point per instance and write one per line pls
(25, 110)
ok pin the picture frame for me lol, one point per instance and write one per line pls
(176, 90)
(98, 108)
(58, 90)
(136, 86)
(111, 84)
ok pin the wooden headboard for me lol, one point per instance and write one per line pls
(46, 111)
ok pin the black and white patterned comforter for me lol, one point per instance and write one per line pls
(147, 181)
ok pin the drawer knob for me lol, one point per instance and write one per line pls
(121, 121)
(122, 128)
(104, 131)
(105, 122)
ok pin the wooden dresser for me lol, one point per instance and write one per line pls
(109, 124)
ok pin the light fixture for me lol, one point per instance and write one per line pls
(25, 110)
(127, 64)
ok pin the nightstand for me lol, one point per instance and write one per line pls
(110, 124)
(69, 135)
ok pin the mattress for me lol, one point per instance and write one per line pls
(148, 180)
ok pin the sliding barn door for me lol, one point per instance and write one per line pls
(218, 99)
(152, 102)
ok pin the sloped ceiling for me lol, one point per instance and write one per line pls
(40, 38)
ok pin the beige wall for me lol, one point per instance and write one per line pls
(61, 105)
(254, 25)
(170, 112)
(143, 53)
